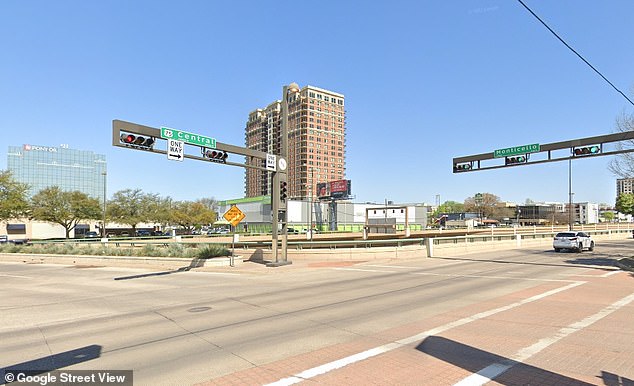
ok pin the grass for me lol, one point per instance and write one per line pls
(204, 251)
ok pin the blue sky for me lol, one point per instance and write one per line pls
(424, 81)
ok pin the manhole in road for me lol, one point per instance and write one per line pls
(199, 309)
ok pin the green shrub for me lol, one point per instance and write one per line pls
(210, 251)
(72, 248)
(151, 250)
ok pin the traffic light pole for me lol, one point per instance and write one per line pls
(278, 199)
(121, 130)
(579, 148)
(279, 252)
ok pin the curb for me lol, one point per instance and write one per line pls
(121, 261)
(626, 264)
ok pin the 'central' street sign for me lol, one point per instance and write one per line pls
(515, 150)
(193, 139)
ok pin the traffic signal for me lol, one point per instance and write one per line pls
(587, 150)
(137, 141)
(520, 159)
(461, 167)
(283, 191)
(216, 156)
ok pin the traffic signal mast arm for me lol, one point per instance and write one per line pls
(582, 147)
(123, 128)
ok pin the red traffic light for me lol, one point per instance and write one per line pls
(137, 141)
(127, 138)
(216, 155)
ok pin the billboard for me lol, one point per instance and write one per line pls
(322, 190)
(339, 189)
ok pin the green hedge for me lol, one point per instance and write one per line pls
(149, 250)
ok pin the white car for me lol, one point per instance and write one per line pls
(576, 241)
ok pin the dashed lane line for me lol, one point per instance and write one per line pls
(494, 370)
(325, 368)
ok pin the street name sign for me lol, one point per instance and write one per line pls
(516, 150)
(191, 138)
(175, 150)
(234, 215)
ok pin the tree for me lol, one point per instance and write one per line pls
(209, 203)
(132, 206)
(608, 216)
(625, 203)
(64, 208)
(489, 206)
(449, 207)
(13, 197)
(623, 164)
(192, 214)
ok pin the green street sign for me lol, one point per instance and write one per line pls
(515, 150)
(192, 139)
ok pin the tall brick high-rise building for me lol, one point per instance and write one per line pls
(316, 141)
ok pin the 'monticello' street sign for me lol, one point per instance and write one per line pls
(515, 150)
(234, 215)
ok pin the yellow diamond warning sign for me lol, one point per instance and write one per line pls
(234, 215)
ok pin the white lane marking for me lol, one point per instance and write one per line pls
(488, 373)
(608, 274)
(17, 276)
(452, 275)
(215, 273)
(492, 277)
(315, 371)
(363, 270)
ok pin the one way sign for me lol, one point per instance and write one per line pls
(175, 150)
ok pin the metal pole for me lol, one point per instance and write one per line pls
(284, 153)
(233, 248)
(310, 205)
(103, 220)
(570, 219)
(275, 208)
(280, 208)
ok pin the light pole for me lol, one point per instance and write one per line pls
(519, 211)
(103, 220)
(310, 204)
(570, 193)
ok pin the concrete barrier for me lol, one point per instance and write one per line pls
(432, 247)
(121, 261)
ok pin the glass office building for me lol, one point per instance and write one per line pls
(69, 169)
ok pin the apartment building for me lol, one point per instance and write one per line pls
(624, 185)
(316, 141)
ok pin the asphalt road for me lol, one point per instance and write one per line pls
(527, 316)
